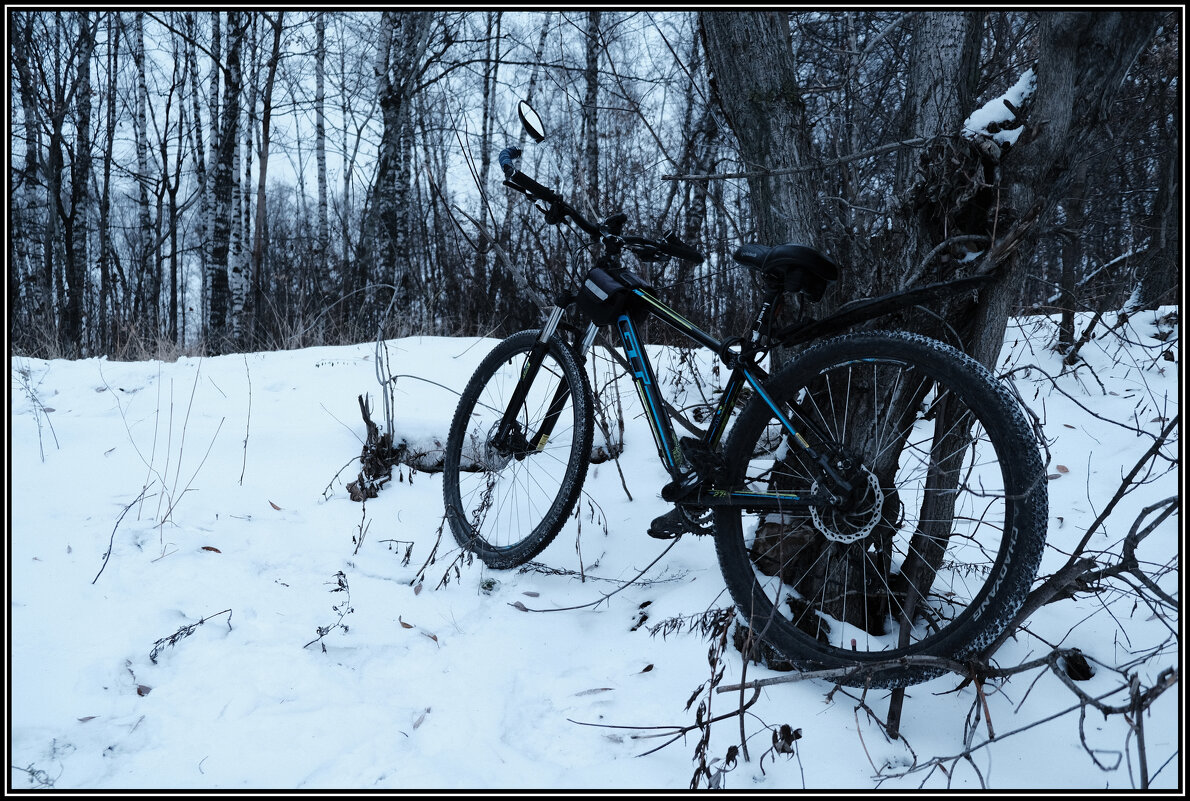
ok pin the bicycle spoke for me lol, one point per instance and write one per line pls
(912, 541)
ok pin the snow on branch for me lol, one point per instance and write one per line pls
(1000, 119)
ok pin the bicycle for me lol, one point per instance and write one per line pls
(880, 496)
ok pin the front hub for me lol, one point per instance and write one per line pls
(854, 516)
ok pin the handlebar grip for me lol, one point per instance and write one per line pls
(678, 249)
(507, 156)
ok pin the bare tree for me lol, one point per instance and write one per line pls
(259, 229)
(964, 190)
(224, 178)
(404, 41)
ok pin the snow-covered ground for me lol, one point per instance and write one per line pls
(255, 628)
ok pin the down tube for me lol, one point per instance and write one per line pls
(646, 386)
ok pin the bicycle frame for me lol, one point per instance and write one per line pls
(742, 362)
(744, 372)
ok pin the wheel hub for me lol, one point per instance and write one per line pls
(497, 454)
(855, 517)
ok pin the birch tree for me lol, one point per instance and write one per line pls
(224, 178)
(591, 110)
(404, 42)
(320, 138)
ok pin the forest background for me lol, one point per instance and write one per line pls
(201, 182)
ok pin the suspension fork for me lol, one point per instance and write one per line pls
(528, 374)
(540, 437)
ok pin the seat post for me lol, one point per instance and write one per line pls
(764, 316)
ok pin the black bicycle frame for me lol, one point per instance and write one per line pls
(744, 372)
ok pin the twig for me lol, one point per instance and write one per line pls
(343, 609)
(876, 151)
(862, 743)
(603, 598)
(854, 671)
(111, 542)
(248, 423)
(677, 731)
(184, 632)
(987, 713)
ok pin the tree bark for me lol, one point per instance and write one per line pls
(1084, 58)
(224, 167)
(591, 111)
(1159, 275)
(320, 138)
(23, 197)
(74, 334)
(214, 285)
(107, 314)
(259, 231)
(148, 271)
(754, 80)
(403, 44)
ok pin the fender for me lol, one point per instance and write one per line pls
(864, 309)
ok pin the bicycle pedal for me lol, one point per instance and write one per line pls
(681, 520)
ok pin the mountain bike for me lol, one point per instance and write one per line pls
(880, 496)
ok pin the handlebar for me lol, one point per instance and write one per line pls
(646, 249)
(507, 156)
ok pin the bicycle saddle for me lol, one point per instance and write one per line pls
(799, 267)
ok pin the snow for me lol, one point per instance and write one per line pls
(995, 113)
(427, 675)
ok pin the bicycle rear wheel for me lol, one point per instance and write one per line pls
(506, 502)
(934, 548)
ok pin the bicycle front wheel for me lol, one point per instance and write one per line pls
(933, 548)
(506, 501)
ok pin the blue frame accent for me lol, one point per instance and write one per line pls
(646, 384)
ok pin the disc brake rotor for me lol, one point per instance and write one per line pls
(494, 459)
(850, 522)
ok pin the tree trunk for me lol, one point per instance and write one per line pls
(1084, 58)
(239, 265)
(1159, 275)
(259, 231)
(75, 336)
(23, 197)
(224, 185)
(148, 271)
(214, 285)
(107, 314)
(320, 139)
(591, 112)
(1070, 236)
(754, 81)
(404, 41)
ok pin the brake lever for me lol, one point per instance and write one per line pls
(553, 215)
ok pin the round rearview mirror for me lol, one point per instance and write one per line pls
(530, 121)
